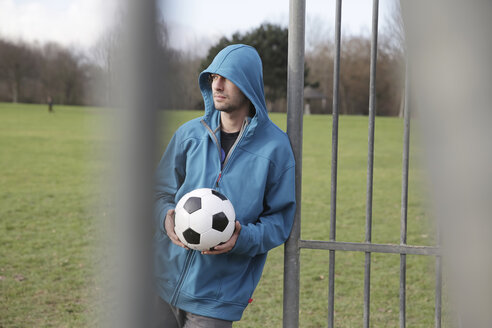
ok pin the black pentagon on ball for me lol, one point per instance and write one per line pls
(191, 236)
(218, 194)
(219, 221)
(193, 204)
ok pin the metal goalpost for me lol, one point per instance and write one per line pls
(294, 244)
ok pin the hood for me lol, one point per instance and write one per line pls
(241, 65)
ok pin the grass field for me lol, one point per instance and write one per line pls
(49, 228)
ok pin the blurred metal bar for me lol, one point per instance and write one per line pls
(369, 247)
(134, 133)
(405, 161)
(334, 163)
(438, 292)
(295, 92)
(451, 91)
(404, 197)
(403, 284)
(367, 289)
(370, 161)
(438, 300)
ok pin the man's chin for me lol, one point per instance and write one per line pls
(225, 109)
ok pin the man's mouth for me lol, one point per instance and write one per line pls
(219, 96)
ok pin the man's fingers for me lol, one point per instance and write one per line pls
(219, 249)
(178, 242)
(228, 245)
(216, 251)
(222, 248)
(174, 238)
(169, 225)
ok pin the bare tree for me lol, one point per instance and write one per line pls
(319, 58)
(354, 74)
(393, 42)
(16, 64)
(103, 56)
(31, 73)
(62, 75)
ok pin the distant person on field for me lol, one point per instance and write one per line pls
(49, 100)
(237, 150)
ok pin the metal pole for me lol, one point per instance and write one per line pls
(370, 161)
(404, 198)
(455, 122)
(438, 277)
(334, 164)
(438, 306)
(134, 121)
(295, 92)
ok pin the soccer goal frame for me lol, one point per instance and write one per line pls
(295, 86)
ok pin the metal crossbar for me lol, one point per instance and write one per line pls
(294, 130)
(369, 247)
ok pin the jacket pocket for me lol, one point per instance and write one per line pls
(238, 282)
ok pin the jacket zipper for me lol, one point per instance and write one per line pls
(190, 255)
(188, 259)
(241, 132)
(218, 179)
(212, 133)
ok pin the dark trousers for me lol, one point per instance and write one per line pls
(168, 316)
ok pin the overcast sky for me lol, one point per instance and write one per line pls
(69, 22)
(194, 24)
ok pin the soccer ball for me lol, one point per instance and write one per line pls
(204, 218)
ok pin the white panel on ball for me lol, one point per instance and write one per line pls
(201, 221)
(212, 238)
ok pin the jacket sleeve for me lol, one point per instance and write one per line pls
(274, 225)
(170, 175)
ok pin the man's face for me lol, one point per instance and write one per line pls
(227, 96)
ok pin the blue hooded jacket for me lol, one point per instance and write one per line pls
(257, 177)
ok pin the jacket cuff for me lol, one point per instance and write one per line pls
(243, 242)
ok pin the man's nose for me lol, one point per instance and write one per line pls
(218, 83)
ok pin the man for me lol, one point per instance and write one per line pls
(49, 100)
(237, 150)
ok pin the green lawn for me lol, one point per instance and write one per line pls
(49, 226)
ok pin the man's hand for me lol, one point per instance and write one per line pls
(228, 245)
(169, 225)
